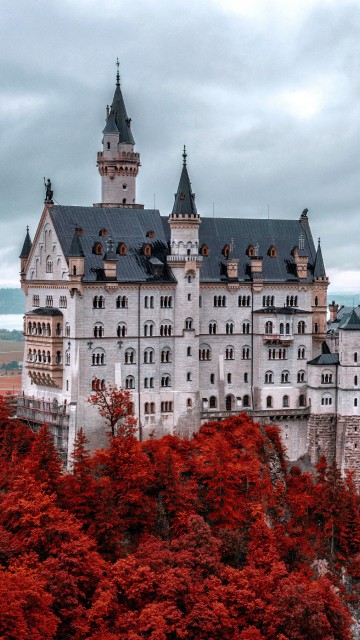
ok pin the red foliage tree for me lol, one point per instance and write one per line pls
(115, 406)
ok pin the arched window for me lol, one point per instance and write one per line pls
(212, 328)
(188, 351)
(272, 251)
(121, 249)
(301, 353)
(269, 377)
(244, 301)
(165, 330)
(229, 378)
(166, 355)
(287, 328)
(149, 356)
(246, 401)
(98, 330)
(103, 233)
(229, 353)
(165, 302)
(285, 377)
(149, 329)
(281, 328)
(268, 327)
(316, 301)
(188, 324)
(212, 402)
(129, 382)
(355, 402)
(302, 400)
(121, 330)
(316, 327)
(269, 402)
(230, 402)
(67, 330)
(326, 399)
(355, 381)
(130, 356)
(246, 353)
(147, 250)
(219, 301)
(98, 357)
(326, 377)
(355, 356)
(285, 401)
(204, 352)
(229, 327)
(301, 326)
(166, 380)
(97, 249)
(301, 376)
(212, 378)
(49, 265)
(204, 250)
(121, 302)
(189, 403)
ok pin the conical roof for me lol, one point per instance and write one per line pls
(118, 119)
(184, 204)
(319, 267)
(353, 323)
(76, 250)
(25, 251)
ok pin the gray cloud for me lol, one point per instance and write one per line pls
(268, 107)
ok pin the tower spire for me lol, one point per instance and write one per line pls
(184, 204)
(117, 73)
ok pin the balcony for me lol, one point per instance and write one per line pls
(42, 411)
(278, 338)
(274, 414)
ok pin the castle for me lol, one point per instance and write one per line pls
(200, 317)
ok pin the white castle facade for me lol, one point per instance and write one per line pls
(200, 317)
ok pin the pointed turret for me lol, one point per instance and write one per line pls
(25, 251)
(76, 258)
(184, 204)
(118, 164)
(319, 268)
(352, 323)
(76, 250)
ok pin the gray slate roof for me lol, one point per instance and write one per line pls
(319, 269)
(325, 359)
(131, 226)
(184, 197)
(44, 311)
(342, 318)
(352, 323)
(25, 251)
(118, 120)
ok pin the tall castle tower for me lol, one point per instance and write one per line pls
(118, 163)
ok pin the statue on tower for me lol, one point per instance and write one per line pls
(48, 192)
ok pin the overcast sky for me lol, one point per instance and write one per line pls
(264, 93)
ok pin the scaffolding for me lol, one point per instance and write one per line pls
(37, 412)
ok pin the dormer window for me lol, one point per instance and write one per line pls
(150, 234)
(272, 251)
(226, 250)
(250, 251)
(103, 233)
(121, 249)
(97, 248)
(79, 231)
(147, 250)
(182, 196)
(204, 250)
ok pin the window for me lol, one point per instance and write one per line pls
(302, 400)
(287, 328)
(285, 401)
(246, 353)
(49, 265)
(355, 402)
(277, 354)
(272, 251)
(49, 301)
(121, 330)
(228, 377)
(226, 250)
(229, 327)
(326, 377)
(36, 301)
(108, 145)
(130, 356)
(326, 400)
(204, 250)
(149, 407)
(165, 329)
(268, 327)
(204, 352)
(98, 302)
(212, 378)
(149, 329)
(244, 301)
(189, 403)
(246, 401)
(355, 381)
(67, 358)
(166, 355)
(281, 328)
(148, 383)
(62, 302)
(285, 377)
(219, 301)
(301, 376)
(121, 249)
(121, 302)
(189, 297)
(212, 402)
(301, 353)
(301, 326)
(316, 301)
(268, 301)
(166, 381)
(355, 357)
(146, 248)
(212, 328)
(269, 402)
(246, 377)
(246, 327)
(149, 356)
(129, 382)
(188, 351)
(188, 376)
(167, 407)
(98, 357)
(166, 302)
(97, 249)
(189, 279)
(316, 327)
(269, 377)
(229, 353)
(98, 330)
(291, 301)
(67, 330)
(188, 324)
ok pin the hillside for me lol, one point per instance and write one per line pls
(174, 539)
(12, 301)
